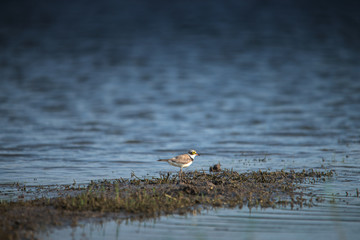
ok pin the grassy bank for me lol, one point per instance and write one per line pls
(139, 198)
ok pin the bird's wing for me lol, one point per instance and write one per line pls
(183, 158)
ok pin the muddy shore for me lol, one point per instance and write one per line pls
(143, 198)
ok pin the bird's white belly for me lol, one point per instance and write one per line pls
(179, 164)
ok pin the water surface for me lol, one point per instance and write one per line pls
(99, 90)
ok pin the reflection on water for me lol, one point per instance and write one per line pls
(108, 91)
(331, 223)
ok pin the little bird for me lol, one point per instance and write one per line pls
(182, 161)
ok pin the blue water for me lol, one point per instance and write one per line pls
(227, 224)
(95, 90)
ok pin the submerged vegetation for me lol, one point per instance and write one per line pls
(139, 198)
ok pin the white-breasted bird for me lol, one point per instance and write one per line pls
(182, 161)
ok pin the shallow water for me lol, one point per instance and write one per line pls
(229, 224)
(100, 90)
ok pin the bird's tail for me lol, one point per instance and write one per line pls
(163, 160)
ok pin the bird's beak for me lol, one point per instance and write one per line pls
(197, 154)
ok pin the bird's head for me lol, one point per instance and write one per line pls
(193, 153)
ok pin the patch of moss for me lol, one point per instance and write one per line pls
(139, 198)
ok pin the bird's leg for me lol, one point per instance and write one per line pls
(180, 174)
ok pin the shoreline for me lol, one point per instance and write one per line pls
(145, 198)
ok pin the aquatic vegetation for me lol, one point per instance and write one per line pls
(139, 198)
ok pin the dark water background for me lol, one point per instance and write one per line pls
(92, 90)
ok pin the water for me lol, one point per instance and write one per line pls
(228, 224)
(97, 90)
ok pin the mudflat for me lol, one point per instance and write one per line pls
(142, 198)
